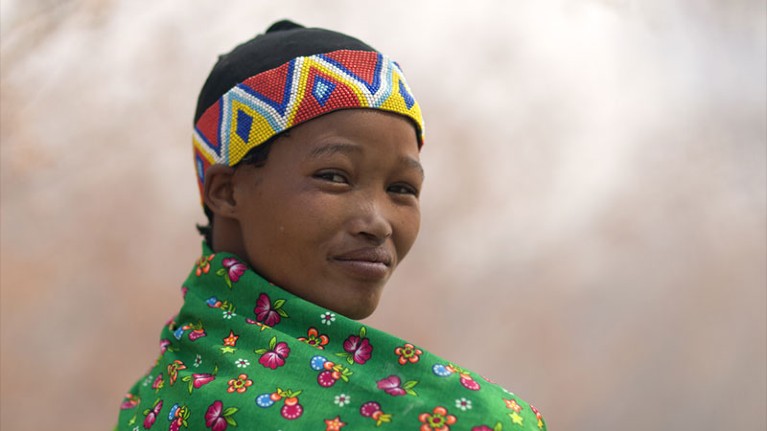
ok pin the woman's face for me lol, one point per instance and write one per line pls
(334, 209)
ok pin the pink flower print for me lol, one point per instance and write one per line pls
(197, 333)
(275, 356)
(202, 379)
(267, 313)
(231, 271)
(130, 401)
(158, 382)
(151, 414)
(359, 349)
(240, 384)
(235, 268)
(164, 344)
(393, 386)
(217, 418)
(197, 380)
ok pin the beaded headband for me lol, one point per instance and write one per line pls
(304, 88)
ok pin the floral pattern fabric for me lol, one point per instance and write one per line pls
(245, 354)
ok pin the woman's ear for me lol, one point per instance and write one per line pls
(218, 191)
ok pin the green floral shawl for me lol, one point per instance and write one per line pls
(245, 354)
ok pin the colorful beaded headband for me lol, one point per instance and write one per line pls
(304, 88)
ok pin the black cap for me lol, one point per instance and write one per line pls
(282, 42)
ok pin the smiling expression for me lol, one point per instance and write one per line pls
(335, 208)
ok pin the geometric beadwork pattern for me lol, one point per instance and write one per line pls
(304, 88)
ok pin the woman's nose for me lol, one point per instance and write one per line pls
(372, 222)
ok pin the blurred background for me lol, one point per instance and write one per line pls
(593, 219)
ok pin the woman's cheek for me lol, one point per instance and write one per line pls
(407, 233)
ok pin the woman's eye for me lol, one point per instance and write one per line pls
(333, 177)
(403, 189)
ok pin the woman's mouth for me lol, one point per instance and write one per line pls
(372, 263)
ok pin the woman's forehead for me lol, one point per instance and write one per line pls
(355, 134)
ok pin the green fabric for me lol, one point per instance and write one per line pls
(245, 354)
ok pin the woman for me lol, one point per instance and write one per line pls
(307, 152)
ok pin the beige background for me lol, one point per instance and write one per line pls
(594, 214)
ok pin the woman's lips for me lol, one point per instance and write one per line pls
(365, 263)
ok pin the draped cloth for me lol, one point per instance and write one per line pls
(245, 354)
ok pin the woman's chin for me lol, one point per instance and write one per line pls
(360, 314)
(358, 310)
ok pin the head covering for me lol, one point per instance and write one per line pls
(284, 77)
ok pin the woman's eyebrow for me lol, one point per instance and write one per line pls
(345, 148)
(414, 164)
(330, 149)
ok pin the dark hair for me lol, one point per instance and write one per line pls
(255, 157)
